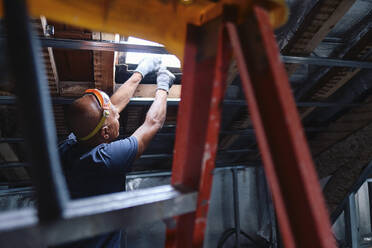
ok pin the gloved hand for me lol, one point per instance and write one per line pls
(164, 79)
(147, 65)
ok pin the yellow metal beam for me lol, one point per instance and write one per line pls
(162, 21)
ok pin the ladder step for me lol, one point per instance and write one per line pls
(132, 208)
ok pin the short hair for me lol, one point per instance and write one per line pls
(83, 115)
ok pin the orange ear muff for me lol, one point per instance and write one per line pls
(97, 94)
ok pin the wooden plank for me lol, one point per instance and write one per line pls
(47, 55)
(73, 65)
(53, 81)
(74, 88)
(103, 63)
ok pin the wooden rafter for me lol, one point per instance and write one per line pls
(103, 63)
(315, 27)
(336, 77)
(39, 26)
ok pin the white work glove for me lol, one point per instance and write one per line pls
(147, 65)
(164, 79)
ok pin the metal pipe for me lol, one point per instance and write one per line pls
(146, 174)
(243, 132)
(326, 62)
(17, 191)
(36, 108)
(351, 223)
(142, 101)
(21, 183)
(236, 206)
(101, 46)
(4, 165)
(127, 47)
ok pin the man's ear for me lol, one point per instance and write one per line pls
(105, 132)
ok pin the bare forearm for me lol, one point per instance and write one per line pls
(158, 109)
(154, 121)
(123, 95)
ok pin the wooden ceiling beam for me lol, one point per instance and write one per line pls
(103, 64)
(315, 27)
(337, 77)
(48, 57)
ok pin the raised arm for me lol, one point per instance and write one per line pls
(122, 96)
(155, 117)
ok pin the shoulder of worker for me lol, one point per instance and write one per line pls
(67, 143)
(119, 154)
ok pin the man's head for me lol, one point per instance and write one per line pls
(93, 119)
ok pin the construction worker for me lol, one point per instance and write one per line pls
(94, 162)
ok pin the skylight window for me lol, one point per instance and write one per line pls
(168, 60)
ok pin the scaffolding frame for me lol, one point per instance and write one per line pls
(289, 169)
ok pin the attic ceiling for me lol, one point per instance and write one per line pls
(336, 116)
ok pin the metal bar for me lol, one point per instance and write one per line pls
(127, 47)
(4, 165)
(100, 46)
(298, 199)
(155, 156)
(367, 172)
(370, 202)
(225, 165)
(101, 214)
(12, 140)
(237, 151)
(36, 108)
(327, 104)
(143, 101)
(351, 226)
(17, 191)
(243, 132)
(326, 62)
(199, 65)
(220, 168)
(333, 40)
(21, 183)
(140, 174)
(146, 101)
(236, 207)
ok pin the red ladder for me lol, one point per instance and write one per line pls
(300, 208)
